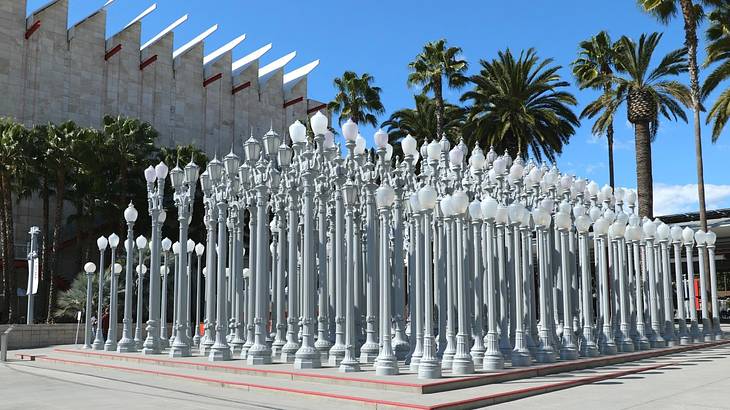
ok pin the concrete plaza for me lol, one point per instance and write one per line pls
(64, 377)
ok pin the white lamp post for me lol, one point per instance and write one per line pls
(101, 243)
(89, 268)
(126, 344)
(115, 269)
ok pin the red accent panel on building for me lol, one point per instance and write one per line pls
(317, 108)
(32, 29)
(212, 79)
(241, 87)
(147, 62)
(292, 102)
(109, 54)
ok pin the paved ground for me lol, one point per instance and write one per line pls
(700, 382)
(693, 379)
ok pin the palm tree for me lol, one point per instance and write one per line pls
(648, 93)
(12, 165)
(518, 104)
(692, 14)
(432, 66)
(594, 69)
(60, 141)
(420, 122)
(718, 51)
(356, 99)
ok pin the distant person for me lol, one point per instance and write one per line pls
(105, 321)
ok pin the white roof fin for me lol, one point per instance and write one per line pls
(164, 31)
(142, 15)
(277, 64)
(190, 44)
(241, 63)
(228, 47)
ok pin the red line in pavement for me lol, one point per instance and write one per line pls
(236, 383)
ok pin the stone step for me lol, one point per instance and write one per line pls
(406, 381)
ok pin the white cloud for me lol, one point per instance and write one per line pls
(593, 139)
(620, 144)
(672, 199)
(592, 168)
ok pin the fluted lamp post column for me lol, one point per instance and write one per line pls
(307, 356)
(89, 268)
(126, 344)
(155, 192)
(220, 349)
(568, 350)
(141, 242)
(164, 271)
(429, 366)
(111, 339)
(582, 224)
(682, 333)
(694, 330)
(705, 335)
(199, 251)
(710, 239)
(101, 243)
(656, 338)
(183, 183)
(386, 362)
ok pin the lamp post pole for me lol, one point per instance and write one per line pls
(184, 183)
(114, 269)
(141, 270)
(89, 268)
(126, 344)
(155, 192)
(308, 357)
(682, 334)
(210, 218)
(165, 269)
(386, 363)
(99, 340)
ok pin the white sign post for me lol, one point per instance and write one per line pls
(78, 324)
(33, 269)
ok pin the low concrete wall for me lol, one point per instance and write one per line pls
(42, 335)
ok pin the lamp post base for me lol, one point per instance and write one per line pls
(110, 345)
(386, 366)
(368, 353)
(180, 349)
(462, 364)
(429, 369)
(307, 358)
(492, 361)
(219, 354)
(126, 346)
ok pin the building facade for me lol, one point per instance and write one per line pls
(50, 72)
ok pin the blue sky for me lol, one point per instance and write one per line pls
(381, 37)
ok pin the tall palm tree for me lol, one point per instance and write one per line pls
(692, 13)
(420, 122)
(594, 69)
(12, 166)
(520, 105)
(648, 93)
(435, 64)
(718, 52)
(60, 141)
(357, 98)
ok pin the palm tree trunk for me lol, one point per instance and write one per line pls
(690, 41)
(609, 138)
(45, 253)
(643, 169)
(438, 96)
(57, 225)
(3, 251)
(11, 284)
